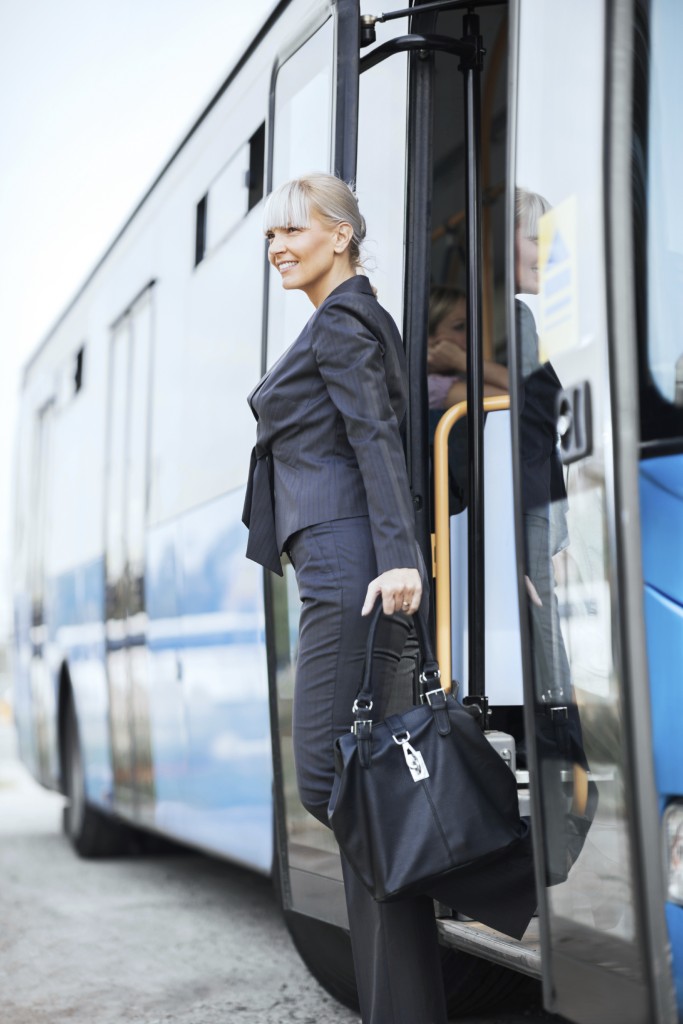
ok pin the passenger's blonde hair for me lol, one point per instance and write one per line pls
(529, 208)
(442, 300)
(290, 206)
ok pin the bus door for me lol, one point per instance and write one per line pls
(42, 711)
(308, 89)
(125, 521)
(573, 366)
(365, 143)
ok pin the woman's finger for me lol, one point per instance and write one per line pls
(411, 602)
(399, 592)
(374, 588)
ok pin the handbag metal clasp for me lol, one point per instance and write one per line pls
(401, 737)
(414, 759)
(362, 705)
(426, 698)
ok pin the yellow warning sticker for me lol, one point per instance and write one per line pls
(558, 328)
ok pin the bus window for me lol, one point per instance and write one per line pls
(658, 223)
(658, 207)
(381, 176)
(301, 142)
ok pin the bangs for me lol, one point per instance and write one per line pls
(287, 207)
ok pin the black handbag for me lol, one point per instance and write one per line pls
(421, 799)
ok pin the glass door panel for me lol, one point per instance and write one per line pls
(302, 133)
(592, 954)
(302, 143)
(125, 525)
(115, 570)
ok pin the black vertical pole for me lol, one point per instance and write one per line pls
(471, 69)
(416, 309)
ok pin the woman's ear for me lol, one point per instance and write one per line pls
(342, 237)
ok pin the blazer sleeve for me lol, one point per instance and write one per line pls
(350, 360)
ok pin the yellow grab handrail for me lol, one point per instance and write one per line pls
(442, 532)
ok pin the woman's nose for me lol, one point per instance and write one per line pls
(277, 244)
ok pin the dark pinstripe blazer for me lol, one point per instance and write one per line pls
(328, 444)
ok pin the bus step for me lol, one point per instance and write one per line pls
(519, 954)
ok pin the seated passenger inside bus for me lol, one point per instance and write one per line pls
(447, 379)
(447, 352)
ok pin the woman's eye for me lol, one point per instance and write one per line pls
(290, 231)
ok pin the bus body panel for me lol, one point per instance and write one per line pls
(661, 495)
(674, 920)
(202, 696)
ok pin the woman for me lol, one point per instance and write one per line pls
(328, 485)
(447, 352)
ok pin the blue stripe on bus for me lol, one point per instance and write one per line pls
(674, 920)
(221, 639)
(204, 684)
(661, 507)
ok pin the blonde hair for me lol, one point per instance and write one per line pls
(441, 301)
(290, 206)
(529, 208)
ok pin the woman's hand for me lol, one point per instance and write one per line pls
(444, 356)
(401, 591)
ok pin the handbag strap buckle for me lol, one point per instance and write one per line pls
(438, 703)
(435, 698)
(362, 727)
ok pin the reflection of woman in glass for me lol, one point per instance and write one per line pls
(544, 502)
(543, 491)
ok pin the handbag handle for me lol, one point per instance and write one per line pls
(430, 675)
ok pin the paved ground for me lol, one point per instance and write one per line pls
(173, 939)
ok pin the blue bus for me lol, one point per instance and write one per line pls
(154, 665)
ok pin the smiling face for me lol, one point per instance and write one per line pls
(527, 280)
(314, 259)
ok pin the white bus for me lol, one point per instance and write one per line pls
(154, 663)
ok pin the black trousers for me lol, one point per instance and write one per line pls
(395, 947)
